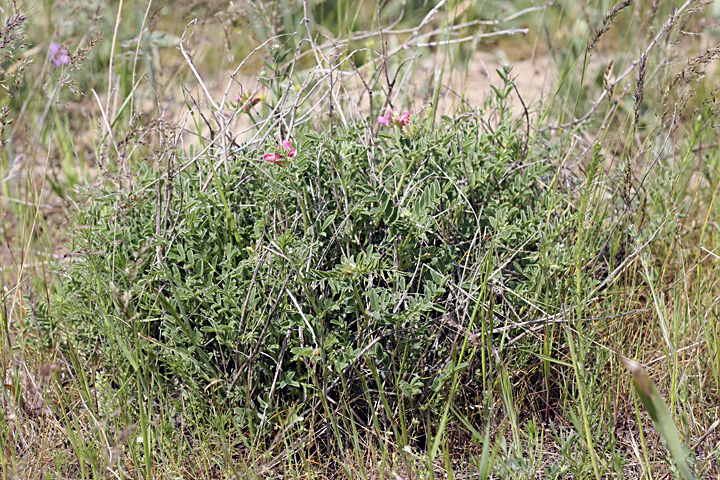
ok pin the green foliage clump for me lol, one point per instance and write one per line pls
(359, 264)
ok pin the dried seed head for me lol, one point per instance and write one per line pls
(608, 22)
(639, 89)
(609, 79)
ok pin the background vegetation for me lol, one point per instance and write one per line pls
(216, 262)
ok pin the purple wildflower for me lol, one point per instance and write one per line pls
(59, 55)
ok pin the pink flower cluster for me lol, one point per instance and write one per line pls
(281, 156)
(285, 153)
(392, 117)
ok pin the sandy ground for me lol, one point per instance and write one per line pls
(534, 77)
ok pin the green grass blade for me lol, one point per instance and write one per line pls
(655, 406)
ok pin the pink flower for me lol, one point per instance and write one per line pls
(283, 155)
(244, 99)
(252, 103)
(392, 117)
(403, 119)
(287, 145)
(59, 55)
(272, 157)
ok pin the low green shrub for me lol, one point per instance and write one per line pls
(358, 264)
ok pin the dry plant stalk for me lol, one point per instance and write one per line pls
(675, 15)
